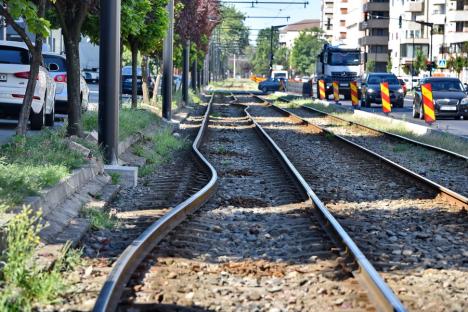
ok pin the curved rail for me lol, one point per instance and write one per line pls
(128, 261)
(379, 292)
(450, 195)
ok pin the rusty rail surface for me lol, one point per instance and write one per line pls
(132, 256)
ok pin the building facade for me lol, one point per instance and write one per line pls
(449, 36)
(288, 34)
(335, 20)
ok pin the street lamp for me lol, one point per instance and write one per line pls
(271, 45)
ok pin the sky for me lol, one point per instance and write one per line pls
(297, 12)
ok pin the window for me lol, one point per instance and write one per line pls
(342, 23)
(459, 26)
(344, 11)
(342, 35)
(61, 63)
(406, 50)
(12, 55)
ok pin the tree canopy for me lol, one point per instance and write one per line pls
(305, 50)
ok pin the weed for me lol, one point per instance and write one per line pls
(329, 135)
(99, 219)
(23, 283)
(115, 177)
(400, 148)
(194, 98)
(221, 150)
(225, 162)
(215, 115)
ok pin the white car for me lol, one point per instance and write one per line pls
(14, 73)
(59, 74)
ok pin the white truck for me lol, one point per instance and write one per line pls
(279, 74)
(339, 63)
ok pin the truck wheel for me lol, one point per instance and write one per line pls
(37, 120)
(264, 90)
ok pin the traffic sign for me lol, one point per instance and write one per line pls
(442, 63)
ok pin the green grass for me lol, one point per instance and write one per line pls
(99, 219)
(162, 145)
(131, 121)
(235, 84)
(23, 283)
(442, 140)
(30, 164)
(115, 177)
(194, 98)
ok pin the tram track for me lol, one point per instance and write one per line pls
(412, 234)
(263, 241)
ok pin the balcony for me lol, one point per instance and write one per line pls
(415, 40)
(374, 23)
(373, 40)
(376, 6)
(457, 16)
(412, 6)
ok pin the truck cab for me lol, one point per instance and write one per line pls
(339, 63)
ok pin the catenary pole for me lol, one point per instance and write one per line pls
(168, 64)
(185, 71)
(109, 69)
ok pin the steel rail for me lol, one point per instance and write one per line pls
(128, 261)
(379, 292)
(397, 136)
(450, 195)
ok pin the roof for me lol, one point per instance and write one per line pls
(16, 44)
(301, 25)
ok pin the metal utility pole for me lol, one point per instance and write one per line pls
(234, 67)
(109, 69)
(168, 64)
(271, 45)
(185, 71)
(194, 75)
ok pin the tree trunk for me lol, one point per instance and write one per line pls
(194, 76)
(31, 86)
(134, 48)
(72, 51)
(144, 79)
(156, 89)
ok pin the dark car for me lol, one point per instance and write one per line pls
(127, 81)
(272, 84)
(450, 98)
(371, 89)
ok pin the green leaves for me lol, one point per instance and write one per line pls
(28, 11)
(305, 50)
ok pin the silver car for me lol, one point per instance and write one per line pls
(60, 78)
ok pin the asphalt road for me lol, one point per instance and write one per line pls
(457, 127)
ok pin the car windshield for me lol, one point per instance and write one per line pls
(12, 55)
(60, 61)
(127, 71)
(345, 58)
(377, 79)
(446, 85)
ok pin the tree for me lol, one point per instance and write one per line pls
(370, 66)
(261, 58)
(420, 62)
(233, 35)
(33, 14)
(281, 57)
(71, 15)
(457, 64)
(389, 63)
(305, 50)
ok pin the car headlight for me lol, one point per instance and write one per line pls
(370, 90)
(400, 90)
(464, 101)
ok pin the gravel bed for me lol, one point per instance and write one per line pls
(135, 209)
(416, 240)
(444, 169)
(253, 247)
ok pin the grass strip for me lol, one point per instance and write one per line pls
(131, 121)
(158, 151)
(30, 164)
(442, 140)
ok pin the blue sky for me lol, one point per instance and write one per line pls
(297, 12)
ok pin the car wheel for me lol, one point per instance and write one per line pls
(37, 120)
(368, 103)
(400, 104)
(50, 118)
(264, 90)
(421, 111)
(457, 117)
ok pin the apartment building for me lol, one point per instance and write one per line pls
(288, 34)
(375, 32)
(450, 31)
(334, 20)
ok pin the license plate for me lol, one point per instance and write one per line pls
(3, 77)
(448, 108)
(343, 84)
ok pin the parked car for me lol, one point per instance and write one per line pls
(59, 74)
(127, 81)
(370, 88)
(450, 98)
(272, 84)
(91, 76)
(15, 62)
